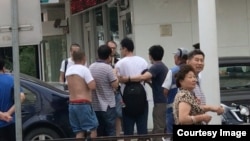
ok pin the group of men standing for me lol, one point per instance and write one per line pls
(96, 91)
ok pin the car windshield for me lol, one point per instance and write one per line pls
(234, 77)
(52, 85)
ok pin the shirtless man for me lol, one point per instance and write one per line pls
(80, 84)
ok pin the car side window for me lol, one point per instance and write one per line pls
(234, 77)
(30, 97)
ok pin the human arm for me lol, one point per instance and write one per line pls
(92, 85)
(62, 71)
(165, 92)
(144, 77)
(217, 109)
(61, 77)
(167, 83)
(12, 108)
(5, 116)
(186, 118)
(89, 78)
(123, 79)
(115, 83)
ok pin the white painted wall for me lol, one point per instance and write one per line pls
(233, 26)
(150, 14)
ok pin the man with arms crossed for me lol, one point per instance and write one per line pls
(80, 83)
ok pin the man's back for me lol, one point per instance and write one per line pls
(159, 71)
(130, 66)
(103, 95)
(78, 77)
(6, 97)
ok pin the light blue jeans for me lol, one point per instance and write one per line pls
(82, 117)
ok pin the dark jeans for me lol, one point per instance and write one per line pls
(106, 122)
(8, 133)
(141, 122)
(169, 120)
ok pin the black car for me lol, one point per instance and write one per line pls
(44, 111)
(234, 73)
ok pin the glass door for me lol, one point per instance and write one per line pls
(88, 44)
(53, 50)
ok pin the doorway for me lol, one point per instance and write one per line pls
(89, 44)
(52, 50)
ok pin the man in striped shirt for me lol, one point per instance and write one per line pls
(196, 60)
(103, 96)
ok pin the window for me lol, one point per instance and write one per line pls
(30, 97)
(234, 77)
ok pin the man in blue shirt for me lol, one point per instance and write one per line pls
(156, 74)
(7, 108)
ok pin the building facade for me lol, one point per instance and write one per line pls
(170, 23)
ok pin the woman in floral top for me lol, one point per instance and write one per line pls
(186, 108)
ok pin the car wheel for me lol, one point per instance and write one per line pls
(41, 134)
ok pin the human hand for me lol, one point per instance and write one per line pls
(206, 118)
(5, 116)
(219, 110)
(115, 72)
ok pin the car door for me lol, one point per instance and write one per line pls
(31, 104)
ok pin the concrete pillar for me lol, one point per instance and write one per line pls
(208, 43)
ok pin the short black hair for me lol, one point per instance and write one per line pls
(2, 63)
(104, 52)
(128, 44)
(78, 56)
(156, 52)
(181, 74)
(196, 46)
(194, 52)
